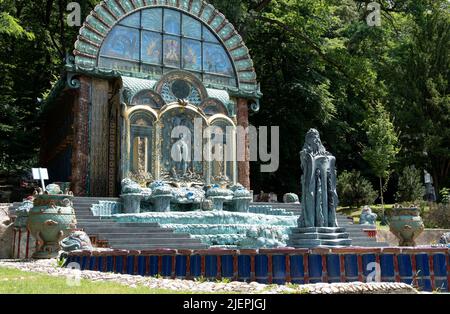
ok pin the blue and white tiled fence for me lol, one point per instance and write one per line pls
(426, 268)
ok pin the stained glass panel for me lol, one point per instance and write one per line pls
(155, 71)
(152, 19)
(134, 20)
(118, 65)
(192, 55)
(172, 51)
(191, 27)
(209, 36)
(145, 99)
(185, 43)
(172, 22)
(219, 80)
(151, 47)
(216, 60)
(122, 42)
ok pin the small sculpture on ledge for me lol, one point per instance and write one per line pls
(291, 198)
(445, 239)
(77, 240)
(367, 216)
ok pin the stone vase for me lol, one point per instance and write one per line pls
(242, 204)
(131, 203)
(51, 219)
(161, 203)
(218, 202)
(406, 224)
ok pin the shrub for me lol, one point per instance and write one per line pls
(355, 190)
(445, 195)
(410, 187)
(437, 217)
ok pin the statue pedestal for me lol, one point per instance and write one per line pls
(319, 236)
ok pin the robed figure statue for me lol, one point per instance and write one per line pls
(319, 197)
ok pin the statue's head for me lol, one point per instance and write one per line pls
(313, 144)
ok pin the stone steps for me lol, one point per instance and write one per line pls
(129, 236)
(296, 236)
(116, 224)
(151, 235)
(309, 243)
(100, 229)
(160, 246)
(144, 241)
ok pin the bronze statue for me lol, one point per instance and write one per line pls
(319, 198)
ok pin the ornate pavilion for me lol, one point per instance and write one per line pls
(142, 67)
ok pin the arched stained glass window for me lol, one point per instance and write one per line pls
(155, 40)
(222, 168)
(141, 132)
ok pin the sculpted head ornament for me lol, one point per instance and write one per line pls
(313, 144)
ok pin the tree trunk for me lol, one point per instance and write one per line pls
(383, 218)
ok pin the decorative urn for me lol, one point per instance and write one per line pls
(218, 196)
(406, 224)
(241, 200)
(51, 219)
(161, 197)
(131, 197)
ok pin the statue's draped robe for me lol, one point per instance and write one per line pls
(319, 198)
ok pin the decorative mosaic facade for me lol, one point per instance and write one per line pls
(140, 69)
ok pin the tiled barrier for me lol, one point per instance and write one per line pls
(425, 268)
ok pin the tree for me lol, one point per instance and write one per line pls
(382, 148)
(419, 89)
(410, 187)
(353, 189)
(34, 40)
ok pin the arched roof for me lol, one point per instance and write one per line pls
(108, 13)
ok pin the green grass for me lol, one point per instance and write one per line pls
(19, 282)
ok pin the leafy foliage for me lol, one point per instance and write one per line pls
(410, 187)
(438, 217)
(382, 147)
(445, 195)
(319, 63)
(355, 190)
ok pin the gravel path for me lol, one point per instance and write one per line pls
(49, 267)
